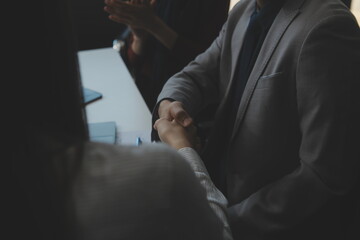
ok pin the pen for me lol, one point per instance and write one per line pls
(138, 141)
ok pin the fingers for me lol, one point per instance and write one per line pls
(120, 20)
(177, 136)
(138, 1)
(117, 12)
(120, 6)
(180, 115)
(164, 127)
(163, 110)
(152, 3)
(174, 110)
(161, 123)
(116, 3)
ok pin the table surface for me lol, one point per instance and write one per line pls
(103, 70)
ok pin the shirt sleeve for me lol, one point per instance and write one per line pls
(216, 199)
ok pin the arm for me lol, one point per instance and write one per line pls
(192, 88)
(216, 199)
(197, 84)
(201, 216)
(185, 140)
(328, 109)
(140, 16)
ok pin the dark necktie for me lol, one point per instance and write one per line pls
(249, 52)
(245, 62)
(258, 27)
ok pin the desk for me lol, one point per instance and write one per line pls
(104, 71)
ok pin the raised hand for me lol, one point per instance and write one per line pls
(138, 14)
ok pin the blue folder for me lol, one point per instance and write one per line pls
(90, 95)
(104, 132)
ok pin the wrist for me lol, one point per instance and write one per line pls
(163, 33)
(137, 45)
(154, 24)
(181, 144)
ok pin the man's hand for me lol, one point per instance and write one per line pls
(177, 136)
(174, 111)
(140, 16)
(136, 14)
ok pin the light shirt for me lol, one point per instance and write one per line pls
(216, 199)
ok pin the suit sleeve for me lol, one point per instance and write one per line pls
(197, 84)
(327, 85)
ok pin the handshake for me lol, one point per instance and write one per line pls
(175, 127)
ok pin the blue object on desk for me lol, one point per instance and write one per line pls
(103, 132)
(90, 95)
(138, 141)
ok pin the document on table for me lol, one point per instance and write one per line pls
(90, 95)
(103, 132)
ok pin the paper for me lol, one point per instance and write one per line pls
(103, 132)
(90, 95)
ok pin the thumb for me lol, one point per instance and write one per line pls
(157, 123)
(181, 116)
(152, 3)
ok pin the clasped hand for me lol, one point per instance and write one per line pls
(175, 127)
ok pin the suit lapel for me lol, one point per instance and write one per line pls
(286, 15)
(238, 37)
(236, 43)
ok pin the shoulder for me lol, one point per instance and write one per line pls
(125, 190)
(147, 158)
(319, 26)
(330, 23)
(333, 14)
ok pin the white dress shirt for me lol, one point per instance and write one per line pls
(216, 199)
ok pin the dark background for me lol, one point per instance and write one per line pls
(94, 29)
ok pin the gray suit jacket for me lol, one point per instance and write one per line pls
(292, 159)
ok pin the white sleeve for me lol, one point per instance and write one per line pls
(216, 199)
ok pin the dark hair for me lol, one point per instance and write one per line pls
(49, 118)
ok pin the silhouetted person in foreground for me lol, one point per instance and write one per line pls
(65, 187)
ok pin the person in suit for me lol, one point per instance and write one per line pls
(284, 148)
(164, 36)
(66, 187)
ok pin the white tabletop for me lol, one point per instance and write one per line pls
(103, 70)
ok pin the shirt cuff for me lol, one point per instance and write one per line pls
(193, 158)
